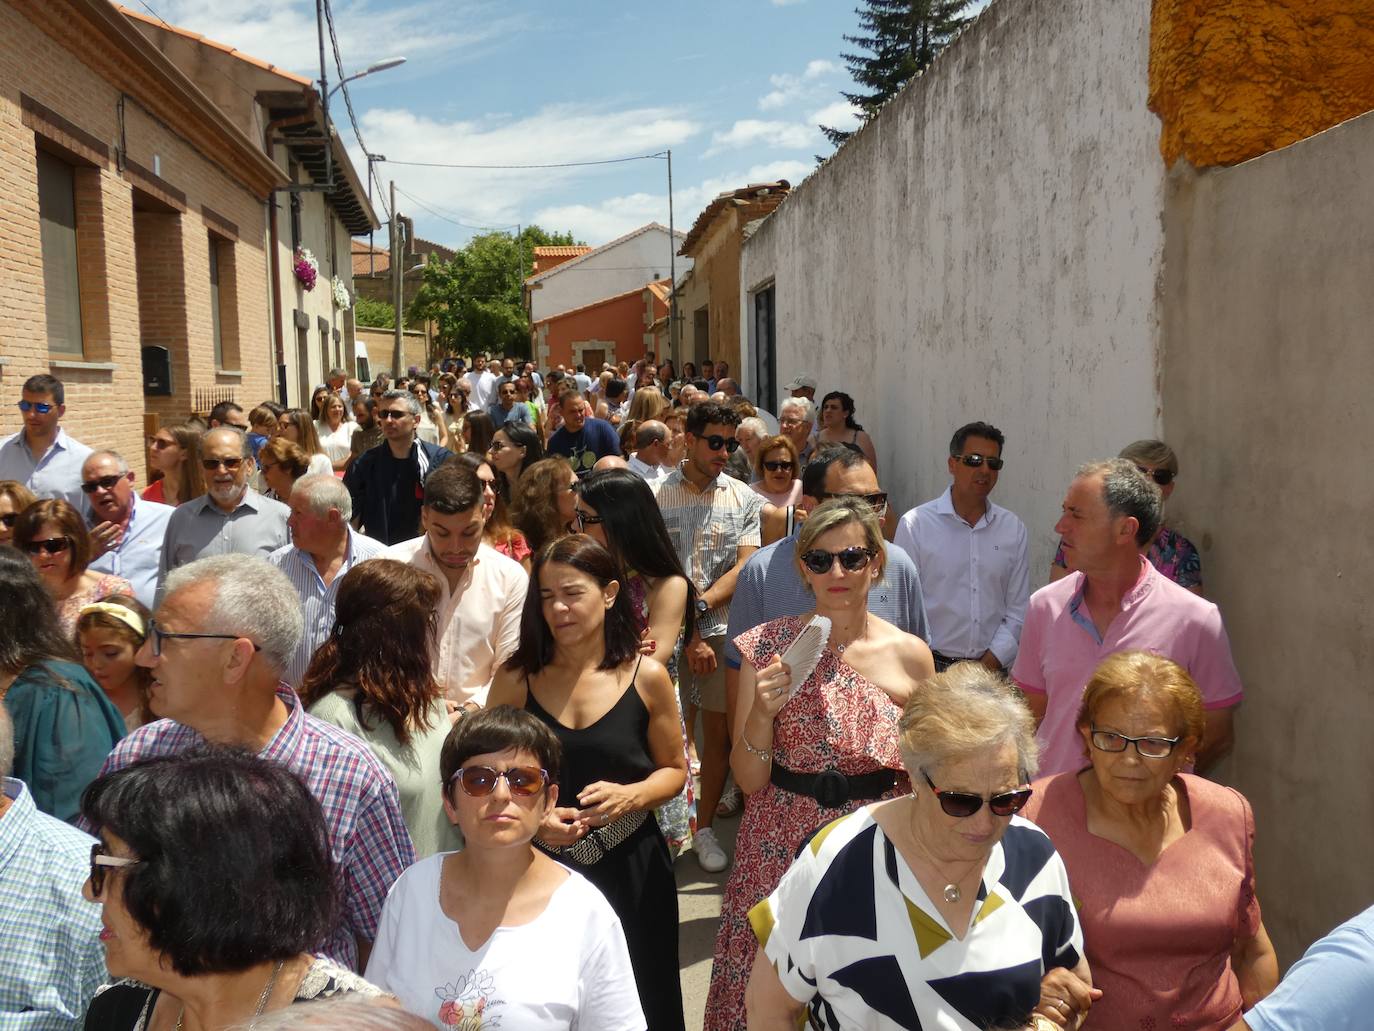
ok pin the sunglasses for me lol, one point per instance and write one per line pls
(480, 781)
(101, 862)
(391, 413)
(1163, 477)
(1146, 747)
(497, 447)
(103, 483)
(851, 559)
(777, 467)
(41, 407)
(158, 635)
(715, 442)
(960, 804)
(9, 519)
(157, 443)
(51, 546)
(584, 520)
(877, 500)
(211, 464)
(974, 461)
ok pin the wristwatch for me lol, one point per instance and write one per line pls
(702, 607)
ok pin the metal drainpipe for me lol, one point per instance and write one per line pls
(274, 245)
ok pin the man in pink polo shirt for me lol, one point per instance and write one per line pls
(1114, 600)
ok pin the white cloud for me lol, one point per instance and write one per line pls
(788, 89)
(754, 132)
(787, 3)
(839, 115)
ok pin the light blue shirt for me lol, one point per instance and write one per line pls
(54, 474)
(140, 551)
(200, 528)
(317, 600)
(1330, 989)
(49, 934)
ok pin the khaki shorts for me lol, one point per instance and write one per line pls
(706, 692)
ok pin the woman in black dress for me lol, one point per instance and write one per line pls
(578, 669)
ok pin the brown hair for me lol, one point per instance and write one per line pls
(534, 502)
(55, 510)
(305, 429)
(1136, 674)
(648, 403)
(385, 620)
(190, 476)
(773, 444)
(20, 496)
(288, 454)
(143, 676)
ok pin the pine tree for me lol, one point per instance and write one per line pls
(901, 38)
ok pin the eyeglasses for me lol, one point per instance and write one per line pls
(1146, 747)
(791, 422)
(496, 447)
(974, 461)
(1163, 477)
(777, 467)
(51, 546)
(157, 635)
(157, 443)
(211, 464)
(960, 804)
(41, 407)
(851, 559)
(584, 520)
(715, 442)
(267, 467)
(392, 413)
(101, 861)
(876, 501)
(9, 519)
(102, 483)
(480, 781)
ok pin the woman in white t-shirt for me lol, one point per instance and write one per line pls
(516, 940)
(335, 431)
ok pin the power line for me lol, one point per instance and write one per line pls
(661, 155)
(352, 116)
(439, 213)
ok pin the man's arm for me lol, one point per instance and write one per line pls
(1218, 737)
(720, 592)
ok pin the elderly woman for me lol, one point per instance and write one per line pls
(1173, 554)
(1161, 861)
(513, 932)
(215, 884)
(807, 752)
(14, 498)
(280, 464)
(796, 416)
(941, 908)
(751, 433)
(55, 537)
(174, 456)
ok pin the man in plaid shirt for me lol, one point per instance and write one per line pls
(223, 635)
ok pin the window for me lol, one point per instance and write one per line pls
(765, 355)
(215, 322)
(61, 280)
(224, 315)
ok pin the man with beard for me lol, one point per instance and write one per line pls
(387, 483)
(369, 434)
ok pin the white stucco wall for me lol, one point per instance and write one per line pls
(988, 248)
(624, 266)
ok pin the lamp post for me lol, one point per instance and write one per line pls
(380, 66)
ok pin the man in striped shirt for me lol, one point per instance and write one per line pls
(323, 548)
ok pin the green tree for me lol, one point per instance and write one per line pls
(474, 299)
(378, 314)
(900, 39)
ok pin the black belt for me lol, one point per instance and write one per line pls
(831, 788)
(943, 662)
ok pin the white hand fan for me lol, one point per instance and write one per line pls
(803, 653)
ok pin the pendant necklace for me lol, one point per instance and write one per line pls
(839, 648)
(262, 999)
(950, 891)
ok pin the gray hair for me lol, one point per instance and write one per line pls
(115, 456)
(352, 1011)
(245, 445)
(755, 425)
(965, 711)
(6, 743)
(805, 409)
(1129, 492)
(252, 599)
(323, 491)
(412, 402)
(336, 373)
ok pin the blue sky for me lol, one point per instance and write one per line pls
(734, 87)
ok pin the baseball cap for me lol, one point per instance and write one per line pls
(800, 382)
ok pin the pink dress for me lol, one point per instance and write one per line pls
(837, 720)
(69, 609)
(1159, 938)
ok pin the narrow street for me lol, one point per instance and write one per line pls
(698, 899)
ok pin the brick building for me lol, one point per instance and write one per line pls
(132, 215)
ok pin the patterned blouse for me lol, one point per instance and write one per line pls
(1171, 553)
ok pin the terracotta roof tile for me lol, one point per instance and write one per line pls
(197, 37)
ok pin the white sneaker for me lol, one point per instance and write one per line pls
(710, 855)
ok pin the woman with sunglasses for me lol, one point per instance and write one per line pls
(808, 752)
(938, 909)
(1151, 851)
(1173, 554)
(280, 464)
(513, 449)
(779, 483)
(578, 669)
(215, 883)
(431, 426)
(296, 426)
(838, 427)
(174, 457)
(516, 939)
(14, 498)
(64, 724)
(54, 536)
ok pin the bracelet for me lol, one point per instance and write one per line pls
(764, 754)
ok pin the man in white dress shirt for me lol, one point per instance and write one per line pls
(651, 451)
(972, 557)
(41, 456)
(126, 531)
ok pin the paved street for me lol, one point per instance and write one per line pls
(698, 899)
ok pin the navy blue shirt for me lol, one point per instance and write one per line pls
(388, 492)
(596, 439)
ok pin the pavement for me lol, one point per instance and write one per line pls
(698, 900)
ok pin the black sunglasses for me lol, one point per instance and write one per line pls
(1163, 477)
(974, 461)
(101, 862)
(211, 464)
(877, 500)
(392, 413)
(9, 520)
(777, 467)
(51, 546)
(851, 559)
(103, 483)
(715, 442)
(584, 520)
(960, 804)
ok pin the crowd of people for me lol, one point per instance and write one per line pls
(397, 712)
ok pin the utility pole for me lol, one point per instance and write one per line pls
(396, 245)
(672, 272)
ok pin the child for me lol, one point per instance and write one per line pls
(108, 634)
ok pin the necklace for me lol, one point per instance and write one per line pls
(951, 890)
(839, 648)
(262, 999)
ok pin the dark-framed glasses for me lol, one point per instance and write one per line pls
(9, 519)
(212, 464)
(157, 635)
(585, 520)
(102, 862)
(715, 442)
(777, 467)
(41, 407)
(1163, 477)
(101, 483)
(1146, 747)
(876, 501)
(851, 559)
(392, 413)
(961, 804)
(496, 447)
(51, 546)
(480, 781)
(974, 461)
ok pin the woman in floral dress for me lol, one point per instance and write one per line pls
(807, 753)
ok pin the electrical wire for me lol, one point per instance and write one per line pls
(660, 156)
(452, 217)
(352, 115)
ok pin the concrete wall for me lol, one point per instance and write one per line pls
(605, 273)
(988, 247)
(1266, 387)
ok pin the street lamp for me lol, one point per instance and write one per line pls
(380, 66)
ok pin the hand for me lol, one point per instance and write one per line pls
(1065, 997)
(772, 687)
(701, 657)
(105, 537)
(991, 661)
(562, 826)
(646, 646)
(604, 802)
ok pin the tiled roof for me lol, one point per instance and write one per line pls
(769, 194)
(129, 12)
(604, 247)
(561, 251)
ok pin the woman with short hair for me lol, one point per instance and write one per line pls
(54, 536)
(806, 752)
(1151, 850)
(499, 929)
(941, 908)
(335, 431)
(280, 464)
(545, 501)
(296, 426)
(215, 882)
(779, 484)
(14, 498)
(174, 458)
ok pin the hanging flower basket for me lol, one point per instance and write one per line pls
(341, 299)
(306, 268)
